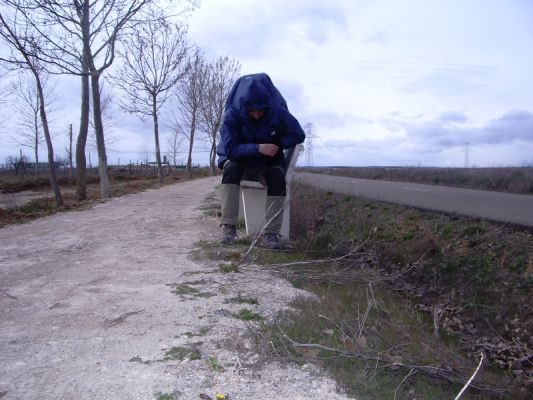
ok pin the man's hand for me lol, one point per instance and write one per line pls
(268, 149)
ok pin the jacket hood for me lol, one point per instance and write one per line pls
(256, 98)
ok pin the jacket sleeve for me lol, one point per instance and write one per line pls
(230, 133)
(294, 134)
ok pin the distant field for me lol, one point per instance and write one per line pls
(512, 180)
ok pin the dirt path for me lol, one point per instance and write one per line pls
(88, 309)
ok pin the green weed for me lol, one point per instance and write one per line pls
(182, 290)
(242, 300)
(447, 231)
(248, 315)
(229, 268)
(473, 229)
(178, 353)
(167, 396)
(197, 282)
(213, 362)
(204, 330)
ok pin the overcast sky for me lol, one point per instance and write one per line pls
(406, 82)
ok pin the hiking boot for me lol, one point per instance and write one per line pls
(271, 241)
(229, 234)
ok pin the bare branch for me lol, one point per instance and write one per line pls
(155, 61)
(190, 98)
(220, 76)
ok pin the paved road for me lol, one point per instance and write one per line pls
(503, 207)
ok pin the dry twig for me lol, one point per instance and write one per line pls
(402, 381)
(260, 233)
(471, 379)
(121, 318)
(444, 374)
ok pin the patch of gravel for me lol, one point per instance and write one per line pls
(107, 304)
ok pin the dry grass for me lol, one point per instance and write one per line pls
(463, 285)
(403, 298)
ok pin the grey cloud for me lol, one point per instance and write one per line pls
(447, 130)
(427, 141)
(453, 116)
(514, 125)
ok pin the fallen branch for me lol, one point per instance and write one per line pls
(345, 275)
(351, 253)
(443, 374)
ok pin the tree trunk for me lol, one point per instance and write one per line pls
(22, 167)
(105, 188)
(213, 155)
(156, 136)
(36, 157)
(44, 120)
(191, 141)
(70, 166)
(36, 143)
(81, 142)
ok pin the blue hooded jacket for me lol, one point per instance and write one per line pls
(242, 134)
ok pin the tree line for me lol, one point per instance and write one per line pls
(157, 70)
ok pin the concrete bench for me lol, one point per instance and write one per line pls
(254, 195)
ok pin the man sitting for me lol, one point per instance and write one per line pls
(257, 127)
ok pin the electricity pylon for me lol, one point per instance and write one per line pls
(309, 135)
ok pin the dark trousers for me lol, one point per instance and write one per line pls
(273, 176)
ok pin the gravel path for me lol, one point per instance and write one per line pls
(88, 309)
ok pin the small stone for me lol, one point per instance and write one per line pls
(253, 359)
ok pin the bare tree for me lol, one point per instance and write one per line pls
(174, 141)
(100, 23)
(155, 60)
(82, 42)
(27, 110)
(220, 76)
(145, 152)
(30, 133)
(25, 46)
(186, 109)
(18, 164)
